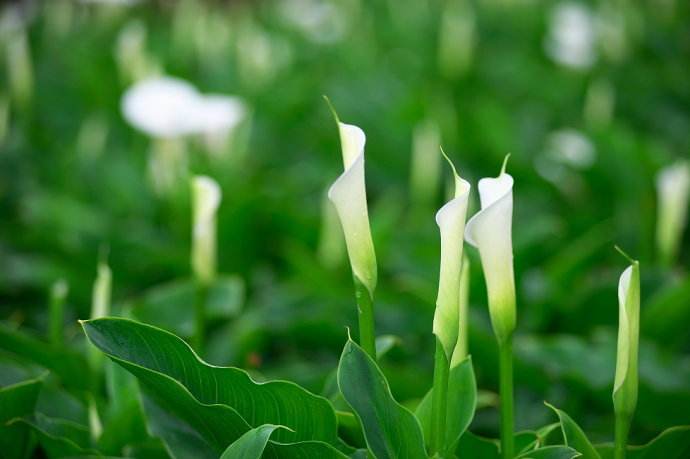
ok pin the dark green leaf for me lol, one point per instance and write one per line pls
(59, 437)
(221, 403)
(672, 443)
(19, 399)
(550, 452)
(391, 431)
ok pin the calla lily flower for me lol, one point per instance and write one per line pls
(489, 230)
(206, 198)
(625, 385)
(348, 194)
(673, 188)
(451, 222)
(461, 351)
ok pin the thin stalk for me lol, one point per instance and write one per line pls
(621, 439)
(200, 317)
(505, 355)
(57, 312)
(365, 309)
(439, 400)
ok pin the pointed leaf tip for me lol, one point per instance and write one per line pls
(625, 255)
(452, 166)
(332, 108)
(505, 163)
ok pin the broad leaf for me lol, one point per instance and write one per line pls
(672, 443)
(462, 401)
(391, 431)
(220, 403)
(574, 436)
(19, 399)
(59, 437)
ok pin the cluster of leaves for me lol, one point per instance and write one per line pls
(59, 203)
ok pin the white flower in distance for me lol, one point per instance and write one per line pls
(673, 188)
(348, 194)
(161, 107)
(625, 385)
(206, 195)
(571, 39)
(216, 117)
(451, 222)
(490, 231)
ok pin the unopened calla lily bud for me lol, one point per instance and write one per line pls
(625, 385)
(490, 231)
(673, 187)
(206, 196)
(348, 194)
(451, 222)
(100, 299)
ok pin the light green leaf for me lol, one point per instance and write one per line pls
(672, 443)
(550, 452)
(574, 436)
(391, 431)
(462, 401)
(251, 445)
(221, 403)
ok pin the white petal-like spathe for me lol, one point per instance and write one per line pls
(206, 198)
(348, 194)
(673, 190)
(217, 113)
(626, 380)
(490, 231)
(161, 107)
(451, 222)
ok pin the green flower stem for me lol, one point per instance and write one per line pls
(505, 355)
(200, 317)
(439, 400)
(621, 440)
(57, 312)
(365, 309)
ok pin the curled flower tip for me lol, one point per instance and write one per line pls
(505, 163)
(332, 108)
(625, 255)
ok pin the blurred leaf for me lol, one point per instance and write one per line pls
(59, 437)
(19, 399)
(390, 429)
(550, 452)
(171, 306)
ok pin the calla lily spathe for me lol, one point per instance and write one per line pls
(348, 194)
(625, 385)
(490, 231)
(206, 197)
(673, 190)
(451, 222)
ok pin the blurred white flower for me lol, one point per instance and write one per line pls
(571, 39)
(571, 147)
(320, 21)
(216, 116)
(206, 196)
(130, 52)
(161, 107)
(673, 189)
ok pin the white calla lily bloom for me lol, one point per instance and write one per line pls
(490, 231)
(673, 190)
(348, 194)
(206, 200)
(451, 222)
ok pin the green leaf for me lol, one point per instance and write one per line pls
(672, 443)
(59, 437)
(62, 362)
(462, 401)
(391, 431)
(251, 445)
(19, 399)
(221, 403)
(171, 305)
(550, 452)
(574, 436)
